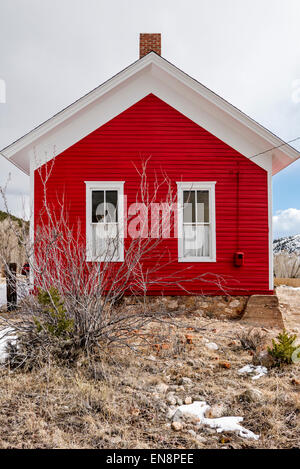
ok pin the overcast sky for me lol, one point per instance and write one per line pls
(54, 51)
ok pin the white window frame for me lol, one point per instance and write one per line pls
(104, 186)
(186, 186)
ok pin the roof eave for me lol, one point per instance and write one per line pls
(17, 151)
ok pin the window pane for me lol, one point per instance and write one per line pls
(189, 207)
(196, 241)
(97, 206)
(105, 241)
(203, 249)
(189, 240)
(111, 206)
(203, 206)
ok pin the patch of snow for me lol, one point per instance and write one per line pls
(222, 424)
(212, 346)
(230, 424)
(196, 409)
(6, 335)
(153, 359)
(258, 371)
(289, 288)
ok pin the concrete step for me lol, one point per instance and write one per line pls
(263, 311)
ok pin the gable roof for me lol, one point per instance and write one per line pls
(151, 74)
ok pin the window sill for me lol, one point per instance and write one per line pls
(196, 259)
(97, 259)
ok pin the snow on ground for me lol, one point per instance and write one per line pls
(8, 334)
(222, 424)
(212, 346)
(258, 371)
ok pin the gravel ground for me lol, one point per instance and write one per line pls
(122, 399)
(289, 300)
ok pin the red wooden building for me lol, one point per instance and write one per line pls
(219, 163)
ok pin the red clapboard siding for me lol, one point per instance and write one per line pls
(184, 151)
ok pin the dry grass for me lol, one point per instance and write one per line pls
(114, 400)
(289, 301)
(290, 282)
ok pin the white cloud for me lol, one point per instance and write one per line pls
(286, 222)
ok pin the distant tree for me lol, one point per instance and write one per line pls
(286, 265)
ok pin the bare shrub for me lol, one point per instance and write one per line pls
(83, 300)
(11, 241)
(286, 265)
(252, 339)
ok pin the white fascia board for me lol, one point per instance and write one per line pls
(151, 74)
(75, 107)
(85, 121)
(225, 121)
(31, 223)
(221, 103)
(270, 226)
(140, 85)
(268, 167)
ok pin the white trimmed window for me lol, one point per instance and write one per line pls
(196, 222)
(105, 221)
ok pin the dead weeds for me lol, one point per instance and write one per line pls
(118, 399)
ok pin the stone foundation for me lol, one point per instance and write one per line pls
(256, 310)
(211, 306)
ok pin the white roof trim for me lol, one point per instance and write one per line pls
(19, 152)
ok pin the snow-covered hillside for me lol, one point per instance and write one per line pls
(289, 244)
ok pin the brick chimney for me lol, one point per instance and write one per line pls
(150, 42)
